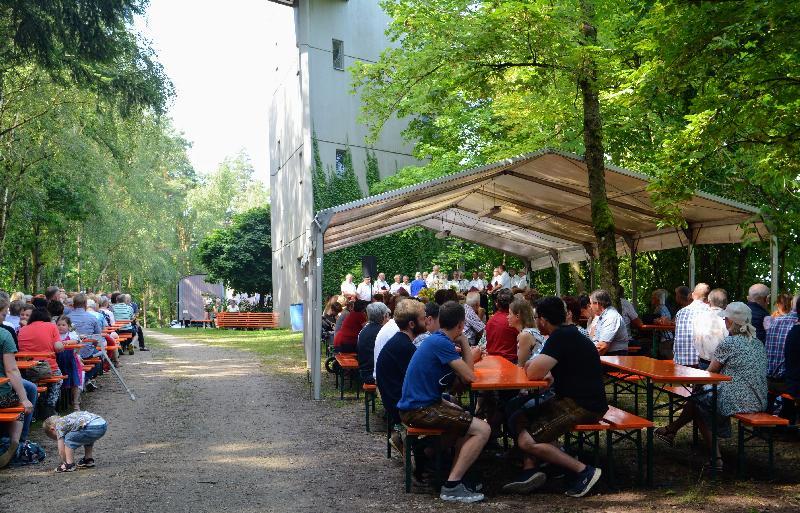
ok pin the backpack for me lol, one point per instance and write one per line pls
(29, 453)
(40, 371)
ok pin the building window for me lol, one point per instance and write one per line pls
(338, 55)
(340, 154)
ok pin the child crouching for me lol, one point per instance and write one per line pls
(77, 429)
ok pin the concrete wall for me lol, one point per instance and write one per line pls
(314, 98)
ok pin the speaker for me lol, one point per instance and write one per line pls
(369, 267)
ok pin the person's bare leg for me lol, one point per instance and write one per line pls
(69, 455)
(705, 433)
(687, 415)
(549, 452)
(475, 439)
(88, 450)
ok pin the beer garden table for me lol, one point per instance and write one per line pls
(667, 372)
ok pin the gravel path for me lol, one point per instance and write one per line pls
(213, 431)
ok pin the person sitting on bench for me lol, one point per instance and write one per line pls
(346, 338)
(377, 315)
(570, 361)
(422, 405)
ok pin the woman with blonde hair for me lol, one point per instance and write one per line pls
(741, 356)
(529, 341)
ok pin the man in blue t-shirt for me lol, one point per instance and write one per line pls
(417, 285)
(570, 362)
(421, 404)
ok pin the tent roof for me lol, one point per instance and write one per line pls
(544, 211)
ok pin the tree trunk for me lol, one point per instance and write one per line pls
(602, 218)
(739, 290)
(26, 276)
(577, 278)
(80, 283)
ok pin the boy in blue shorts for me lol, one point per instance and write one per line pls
(77, 429)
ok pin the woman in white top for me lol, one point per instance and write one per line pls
(348, 288)
(530, 340)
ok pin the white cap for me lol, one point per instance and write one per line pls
(738, 312)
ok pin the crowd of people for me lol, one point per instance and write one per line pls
(420, 349)
(44, 324)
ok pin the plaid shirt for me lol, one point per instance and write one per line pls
(683, 347)
(776, 339)
(472, 325)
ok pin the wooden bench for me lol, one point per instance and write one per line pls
(347, 363)
(757, 426)
(412, 435)
(247, 320)
(370, 394)
(12, 409)
(623, 383)
(619, 426)
(9, 417)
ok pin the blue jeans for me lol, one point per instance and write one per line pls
(91, 433)
(33, 395)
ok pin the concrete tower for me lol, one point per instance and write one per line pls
(313, 100)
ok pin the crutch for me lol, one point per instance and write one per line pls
(116, 372)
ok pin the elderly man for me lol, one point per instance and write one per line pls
(473, 326)
(476, 283)
(519, 282)
(709, 327)
(417, 285)
(377, 315)
(396, 285)
(364, 290)
(758, 301)
(683, 347)
(386, 332)
(608, 331)
(380, 283)
(84, 322)
(433, 276)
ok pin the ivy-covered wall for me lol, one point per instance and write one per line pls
(405, 252)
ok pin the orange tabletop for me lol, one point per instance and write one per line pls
(73, 346)
(662, 371)
(497, 373)
(657, 327)
(3, 381)
(33, 354)
(26, 364)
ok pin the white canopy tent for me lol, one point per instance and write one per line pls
(536, 207)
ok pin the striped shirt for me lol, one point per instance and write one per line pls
(122, 312)
(685, 353)
(776, 340)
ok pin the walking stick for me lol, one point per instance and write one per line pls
(116, 373)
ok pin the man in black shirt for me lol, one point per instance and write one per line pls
(377, 315)
(570, 362)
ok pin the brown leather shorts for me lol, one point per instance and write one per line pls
(553, 418)
(452, 418)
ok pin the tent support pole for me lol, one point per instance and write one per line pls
(634, 254)
(774, 271)
(554, 255)
(691, 266)
(316, 303)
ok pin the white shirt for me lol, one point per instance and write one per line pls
(463, 285)
(520, 282)
(395, 287)
(387, 331)
(348, 288)
(505, 280)
(406, 286)
(628, 313)
(709, 330)
(431, 278)
(364, 291)
(478, 284)
(380, 284)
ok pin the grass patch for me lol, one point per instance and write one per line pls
(281, 349)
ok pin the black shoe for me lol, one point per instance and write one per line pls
(143, 349)
(528, 481)
(584, 482)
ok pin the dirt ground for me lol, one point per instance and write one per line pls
(212, 430)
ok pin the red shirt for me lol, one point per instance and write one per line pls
(40, 337)
(501, 339)
(351, 326)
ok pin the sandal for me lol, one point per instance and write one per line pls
(86, 463)
(665, 436)
(66, 467)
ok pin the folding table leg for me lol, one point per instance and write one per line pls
(740, 451)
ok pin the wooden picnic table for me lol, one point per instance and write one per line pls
(496, 373)
(653, 371)
(26, 364)
(656, 329)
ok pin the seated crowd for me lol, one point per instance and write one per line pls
(421, 349)
(50, 326)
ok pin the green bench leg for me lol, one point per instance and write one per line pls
(409, 448)
(366, 409)
(771, 457)
(740, 451)
(609, 458)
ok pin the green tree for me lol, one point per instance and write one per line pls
(241, 255)
(479, 59)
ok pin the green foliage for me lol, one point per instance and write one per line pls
(320, 179)
(373, 173)
(241, 255)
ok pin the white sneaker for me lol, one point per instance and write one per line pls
(460, 493)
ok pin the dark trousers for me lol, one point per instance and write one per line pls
(141, 336)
